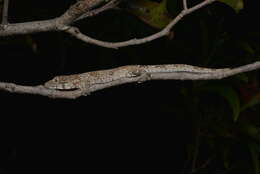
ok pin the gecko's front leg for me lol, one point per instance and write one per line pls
(85, 89)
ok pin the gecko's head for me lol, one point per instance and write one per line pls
(60, 83)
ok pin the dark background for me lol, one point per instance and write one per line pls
(130, 128)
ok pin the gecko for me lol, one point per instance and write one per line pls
(84, 81)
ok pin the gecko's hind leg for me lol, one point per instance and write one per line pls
(144, 77)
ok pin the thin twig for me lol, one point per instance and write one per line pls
(184, 3)
(76, 33)
(5, 12)
(110, 5)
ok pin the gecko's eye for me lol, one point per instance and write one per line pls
(56, 80)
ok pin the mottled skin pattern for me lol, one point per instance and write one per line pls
(85, 80)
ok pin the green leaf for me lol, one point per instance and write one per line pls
(235, 4)
(255, 154)
(230, 96)
(153, 13)
(251, 131)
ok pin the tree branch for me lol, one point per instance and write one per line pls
(77, 10)
(56, 24)
(38, 90)
(102, 79)
(77, 34)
